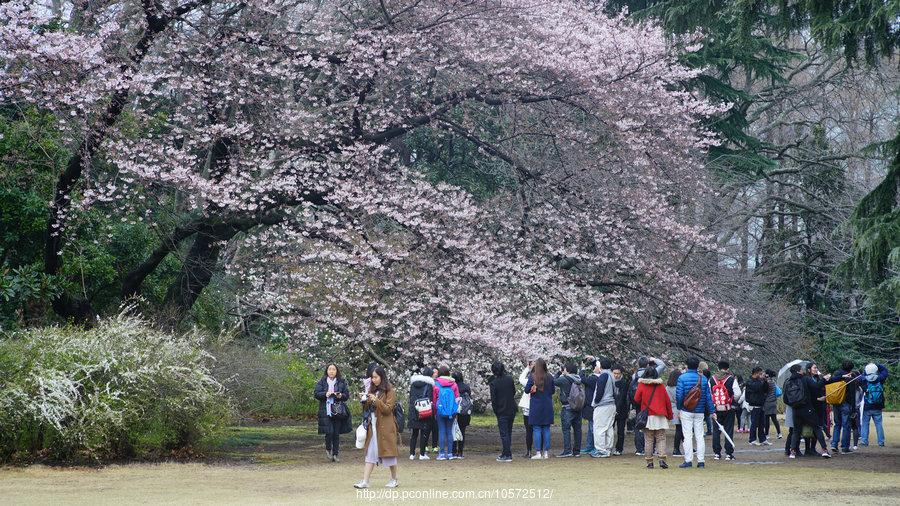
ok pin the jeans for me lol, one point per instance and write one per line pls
(871, 414)
(541, 437)
(621, 422)
(604, 427)
(841, 432)
(726, 419)
(757, 420)
(571, 421)
(693, 425)
(589, 438)
(445, 434)
(504, 426)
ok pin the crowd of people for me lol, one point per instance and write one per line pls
(613, 402)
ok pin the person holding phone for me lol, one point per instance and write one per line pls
(382, 438)
(331, 390)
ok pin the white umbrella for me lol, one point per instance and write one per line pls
(722, 431)
(785, 371)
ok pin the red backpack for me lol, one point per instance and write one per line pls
(721, 394)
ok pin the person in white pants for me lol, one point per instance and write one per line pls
(604, 404)
(693, 425)
(693, 417)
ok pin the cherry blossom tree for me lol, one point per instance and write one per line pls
(278, 135)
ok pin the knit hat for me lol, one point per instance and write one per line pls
(871, 372)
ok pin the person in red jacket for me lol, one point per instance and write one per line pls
(651, 395)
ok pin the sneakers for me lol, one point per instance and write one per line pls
(617, 453)
(855, 447)
(638, 454)
(327, 455)
(826, 455)
(755, 443)
(792, 455)
(717, 457)
(677, 454)
(412, 457)
(729, 457)
(779, 435)
(846, 450)
(361, 484)
(766, 443)
(526, 455)
(564, 455)
(685, 465)
(441, 456)
(504, 459)
(537, 456)
(663, 465)
(424, 457)
(600, 455)
(334, 458)
(393, 483)
(650, 465)
(700, 465)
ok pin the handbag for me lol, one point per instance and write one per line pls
(339, 410)
(640, 420)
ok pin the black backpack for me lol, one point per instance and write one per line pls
(399, 417)
(632, 389)
(795, 392)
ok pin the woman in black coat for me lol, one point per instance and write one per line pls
(331, 389)
(463, 419)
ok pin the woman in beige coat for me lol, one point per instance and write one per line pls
(381, 435)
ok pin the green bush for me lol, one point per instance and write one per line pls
(121, 389)
(266, 383)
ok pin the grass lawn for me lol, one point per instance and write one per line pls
(284, 464)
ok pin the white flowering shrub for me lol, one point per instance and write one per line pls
(120, 389)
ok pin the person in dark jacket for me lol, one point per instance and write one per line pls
(803, 413)
(587, 412)
(540, 410)
(817, 398)
(771, 406)
(462, 419)
(842, 419)
(503, 403)
(421, 386)
(756, 392)
(329, 390)
(569, 418)
(623, 406)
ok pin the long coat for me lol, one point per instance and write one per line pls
(540, 410)
(383, 406)
(343, 426)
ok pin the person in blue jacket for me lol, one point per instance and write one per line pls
(540, 409)
(873, 398)
(693, 421)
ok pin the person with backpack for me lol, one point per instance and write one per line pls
(445, 399)
(799, 390)
(694, 402)
(743, 411)
(670, 391)
(525, 404)
(587, 411)
(503, 404)
(465, 413)
(623, 406)
(757, 389)
(643, 362)
(382, 437)
(421, 412)
(770, 408)
(334, 417)
(571, 399)
(842, 409)
(654, 413)
(604, 404)
(540, 409)
(873, 399)
(725, 393)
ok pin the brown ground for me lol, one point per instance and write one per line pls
(284, 463)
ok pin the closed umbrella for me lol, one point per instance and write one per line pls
(785, 372)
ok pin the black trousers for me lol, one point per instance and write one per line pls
(773, 419)
(420, 436)
(621, 422)
(804, 416)
(434, 433)
(529, 434)
(757, 422)
(458, 446)
(332, 437)
(726, 418)
(504, 427)
(679, 438)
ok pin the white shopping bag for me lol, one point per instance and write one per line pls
(360, 436)
(457, 433)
